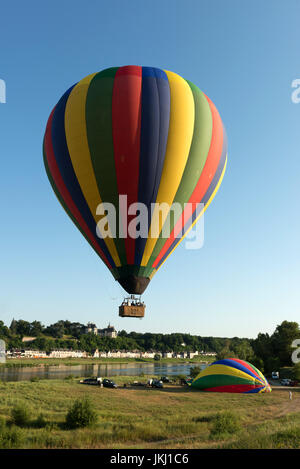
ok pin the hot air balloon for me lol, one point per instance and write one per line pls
(231, 375)
(131, 136)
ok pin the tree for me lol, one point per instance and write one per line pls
(22, 327)
(89, 343)
(194, 371)
(43, 343)
(55, 330)
(258, 363)
(244, 351)
(281, 341)
(262, 346)
(296, 371)
(36, 328)
(4, 331)
(14, 343)
(13, 327)
(225, 353)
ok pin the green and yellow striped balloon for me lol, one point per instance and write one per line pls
(140, 132)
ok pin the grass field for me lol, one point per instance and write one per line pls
(172, 417)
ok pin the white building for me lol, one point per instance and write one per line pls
(108, 331)
(67, 354)
(147, 354)
(91, 328)
(34, 354)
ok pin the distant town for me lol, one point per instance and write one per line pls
(108, 332)
(66, 339)
(101, 354)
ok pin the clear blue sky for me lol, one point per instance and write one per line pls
(244, 56)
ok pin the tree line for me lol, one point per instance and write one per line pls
(267, 352)
(73, 335)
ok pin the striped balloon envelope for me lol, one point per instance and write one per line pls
(231, 375)
(134, 135)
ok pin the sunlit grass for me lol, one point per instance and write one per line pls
(172, 417)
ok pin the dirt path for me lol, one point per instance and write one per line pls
(289, 407)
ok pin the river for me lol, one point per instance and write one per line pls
(121, 369)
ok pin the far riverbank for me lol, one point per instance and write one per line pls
(40, 362)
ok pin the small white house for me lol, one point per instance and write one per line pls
(34, 354)
(68, 354)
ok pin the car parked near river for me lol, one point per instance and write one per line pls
(285, 382)
(157, 383)
(91, 381)
(107, 383)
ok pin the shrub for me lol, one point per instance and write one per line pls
(179, 377)
(225, 423)
(203, 418)
(10, 438)
(194, 371)
(69, 377)
(40, 422)
(81, 414)
(20, 415)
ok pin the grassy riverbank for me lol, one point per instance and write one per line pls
(172, 417)
(31, 362)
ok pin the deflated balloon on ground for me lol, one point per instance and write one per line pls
(231, 375)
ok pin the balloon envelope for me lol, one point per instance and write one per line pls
(145, 134)
(231, 375)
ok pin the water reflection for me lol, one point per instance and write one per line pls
(127, 369)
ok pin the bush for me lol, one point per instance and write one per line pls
(81, 414)
(40, 422)
(69, 378)
(194, 371)
(203, 418)
(20, 415)
(11, 438)
(179, 377)
(225, 423)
